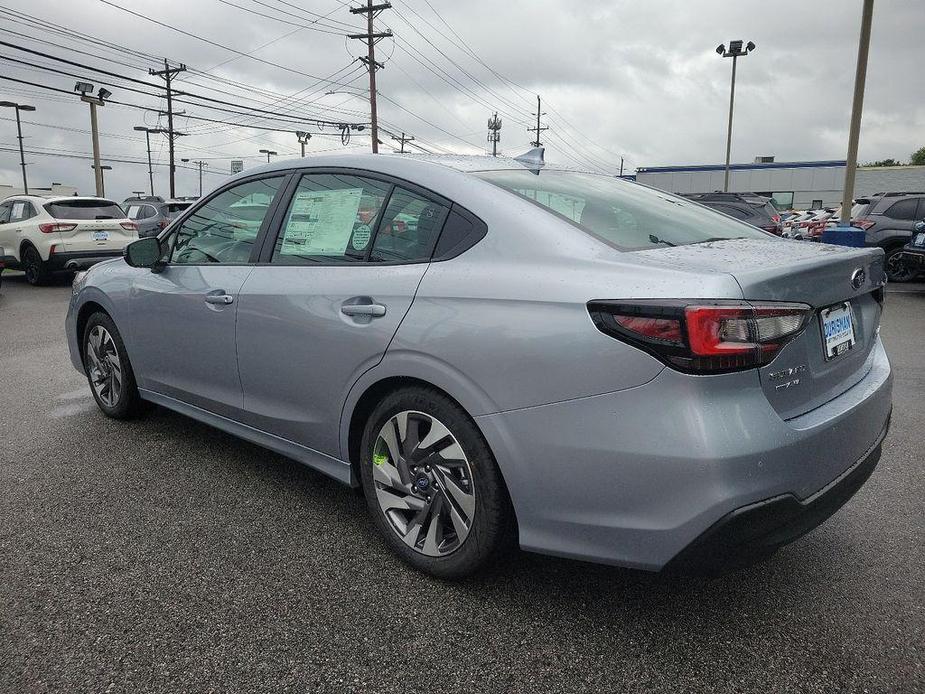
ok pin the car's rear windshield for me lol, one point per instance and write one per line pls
(625, 215)
(84, 209)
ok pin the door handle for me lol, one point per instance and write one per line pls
(219, 299)
(371, 310)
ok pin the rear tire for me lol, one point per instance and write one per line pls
(896, 269)
(32, 264)
(434, 492)
(108, 369)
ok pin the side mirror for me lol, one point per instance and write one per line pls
(919, 226)
(144, 253)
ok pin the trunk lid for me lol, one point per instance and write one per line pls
(97, 224)
(800, 378)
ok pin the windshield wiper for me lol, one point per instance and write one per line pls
(655, 239)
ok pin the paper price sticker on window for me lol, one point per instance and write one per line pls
(321, 222)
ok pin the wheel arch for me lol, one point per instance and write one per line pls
(23, 245)
(87, 309)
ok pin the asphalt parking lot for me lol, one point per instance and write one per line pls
(162, 555)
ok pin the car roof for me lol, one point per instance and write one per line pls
(393, 163)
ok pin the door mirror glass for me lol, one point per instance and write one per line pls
(143, 252)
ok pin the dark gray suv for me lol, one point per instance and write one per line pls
(888, 220)
(748, 207)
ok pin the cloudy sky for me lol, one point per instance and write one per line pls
(617, 77)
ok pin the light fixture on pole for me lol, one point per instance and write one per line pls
(98, 170)
(85, 90)
(200, 164)
(147, 131)
(22, 155)
(736, 50)
(303, 137)
(269, 153)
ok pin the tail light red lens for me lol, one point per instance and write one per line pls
(52, 227)
(703, 337)
(864, 224)
(163, 224)
(129, 226)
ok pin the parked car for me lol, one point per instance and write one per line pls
(43, 235)
(152, 216)
(2, 265)
(887, 221)
(141, 198)
(587, 366)
(748, 207)
(914, 252)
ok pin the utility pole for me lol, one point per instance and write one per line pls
(22, 156)
(854, 131)
(494, 133)
(303, 137)
(621, 167)
(538, 129)
(200, 164)
(371, 37)
(147, 131)
(735, 52)
(168, 73)
(403, 139)
(85, 90)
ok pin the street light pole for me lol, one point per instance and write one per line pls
(854, 131)
(303, 137)
(200, 164)
(269, 152)
(736, 50)
(22, 156)
(85, 88)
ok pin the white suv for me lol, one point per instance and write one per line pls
(44, 235)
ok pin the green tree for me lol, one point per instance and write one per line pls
(885, 162)
(917, 158)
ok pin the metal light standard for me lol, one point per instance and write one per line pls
(84, 89)
(736, 50)
(147, 131)
(269, 152)
(303, 137)
(22, 155)
(200, 164)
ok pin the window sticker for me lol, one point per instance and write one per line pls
(361, 237)
(18, 211)
(321, 222)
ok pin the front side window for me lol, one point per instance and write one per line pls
(331, 219)
(623, 214)
(224, 228)
(409, 228)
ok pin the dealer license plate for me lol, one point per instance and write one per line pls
(837, 329)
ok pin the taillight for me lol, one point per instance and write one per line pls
(163, 224)
(704, 336)
(130, 226)
(864, 224)
(51, 227)
(775, 218)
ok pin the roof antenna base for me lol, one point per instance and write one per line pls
(533, 158)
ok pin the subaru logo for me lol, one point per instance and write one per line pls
(857, 278)
(422, 483)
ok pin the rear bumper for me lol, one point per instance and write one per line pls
(634, 477)
(79, 260)
(759, 528)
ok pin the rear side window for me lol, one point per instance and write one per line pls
(84, 209)
(21, 210)
(731, 210)
(134, 212)
(4, 213)
(904, 209)
(625, 215)
(409, 228)
(331, 219)
(175, 208)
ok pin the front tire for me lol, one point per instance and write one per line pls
(108, 369)
(32, 264)
(432, 486)
(897, 270)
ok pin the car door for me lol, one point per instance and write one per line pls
(8, 241)
(321, 310)
(183, 315)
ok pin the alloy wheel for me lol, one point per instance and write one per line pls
(423, 483)
(896, 268)
(104, 366)
(31, 266)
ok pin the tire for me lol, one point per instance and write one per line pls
(105, 359)
(32, 264)
(896, 269)
(463, 484)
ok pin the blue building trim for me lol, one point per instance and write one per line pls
(829, 164)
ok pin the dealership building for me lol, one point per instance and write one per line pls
(792, 184)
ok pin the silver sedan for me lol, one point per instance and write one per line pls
(503, 353)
